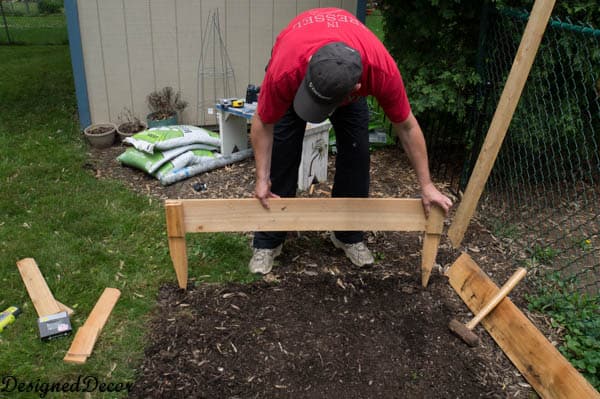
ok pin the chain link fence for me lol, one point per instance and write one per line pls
(543, 195)
(542, 199)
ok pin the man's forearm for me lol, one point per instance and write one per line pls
(261, 137)
(413, 143)
(412, 139)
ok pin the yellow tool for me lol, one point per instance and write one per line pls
(8, 316)
(232, 102)
(237, 103)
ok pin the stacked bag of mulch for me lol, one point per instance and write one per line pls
(174, 153)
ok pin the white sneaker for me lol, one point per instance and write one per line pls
(262, 259)
(358, 253)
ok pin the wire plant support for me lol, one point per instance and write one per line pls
(216, 77)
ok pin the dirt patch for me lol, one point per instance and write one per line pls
(320, 327)
(348, 336)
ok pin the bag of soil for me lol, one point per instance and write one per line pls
(150, 163)
(169, 137)
(188, 158)
(205, 165)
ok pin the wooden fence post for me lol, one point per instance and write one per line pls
(530, 42)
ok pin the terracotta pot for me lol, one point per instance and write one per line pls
(101, 135)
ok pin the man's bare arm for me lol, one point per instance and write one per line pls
(261, 136)
(413, 142)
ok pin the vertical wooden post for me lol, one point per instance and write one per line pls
(431, 241)
(177, 244)
(530, 42)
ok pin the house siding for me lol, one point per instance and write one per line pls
(132, 47)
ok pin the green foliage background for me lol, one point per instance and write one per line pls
(435, 43)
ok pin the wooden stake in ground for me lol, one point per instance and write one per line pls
(85, 339)
(532, 37)
(548, 372)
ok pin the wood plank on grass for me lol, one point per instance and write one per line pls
(65, 308)
(85, 339)
(38, 289)
(544, 367)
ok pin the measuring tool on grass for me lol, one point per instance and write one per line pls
(8, 316)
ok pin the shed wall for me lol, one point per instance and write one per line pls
(132, 47)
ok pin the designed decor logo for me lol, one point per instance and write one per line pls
(86, 383)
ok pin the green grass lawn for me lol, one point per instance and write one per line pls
(43, 29)
(85, 234)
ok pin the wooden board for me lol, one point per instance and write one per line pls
(65, 308)
(431, 242)
(38, 290)
(304, 214)
(85, 339)
(530, 42)
(299, 214)
(544, 367)
(99, 315)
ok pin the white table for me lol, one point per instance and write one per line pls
(233, 129)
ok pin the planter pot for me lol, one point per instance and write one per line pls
(101, 135)
(128, 129)
(152, 122)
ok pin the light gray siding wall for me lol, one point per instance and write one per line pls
(132, 47)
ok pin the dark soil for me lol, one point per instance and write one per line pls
(318, 327)
(100, 130)
(131, 127)
(348, 336)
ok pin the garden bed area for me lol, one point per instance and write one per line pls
(317, 326)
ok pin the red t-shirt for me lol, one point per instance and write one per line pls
(303, 37)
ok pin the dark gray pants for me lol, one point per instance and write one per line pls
(351, 126)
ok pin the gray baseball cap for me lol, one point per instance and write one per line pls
(332, 73)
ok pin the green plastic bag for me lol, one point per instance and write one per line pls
(169, 137)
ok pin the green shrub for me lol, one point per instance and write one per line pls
(435, 45)
(585, 11)
(578, 316)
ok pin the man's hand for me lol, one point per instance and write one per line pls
(261, 135)
(432, 196)
(262, 192)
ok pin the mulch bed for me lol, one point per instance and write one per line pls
(317, 326)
